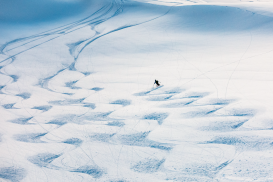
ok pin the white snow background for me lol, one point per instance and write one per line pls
(78, 101)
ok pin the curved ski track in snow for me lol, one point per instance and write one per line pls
(162, 134)
(103, 14)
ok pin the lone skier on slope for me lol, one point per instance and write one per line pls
(157, 83)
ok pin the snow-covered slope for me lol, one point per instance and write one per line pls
(78, 101)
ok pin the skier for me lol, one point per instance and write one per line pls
(157, 83)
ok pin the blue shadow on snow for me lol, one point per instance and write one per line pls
(90, 105)
(24, 95)
(148, 166)
(73, 141)
(72, 85)
(93, 171)
(122, 102)
(159, 98)
(43, 159)
(30, 138)
(103, 137)
(96, 89)
(140, 139)
(66, 102)
(159, 117)
(42, 108)
(116, 123)
(14, 77)
(8, 106)
(21, 121)
(13, 174)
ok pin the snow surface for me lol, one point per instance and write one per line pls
(78, 101)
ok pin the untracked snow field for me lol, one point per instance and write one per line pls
(78, 103)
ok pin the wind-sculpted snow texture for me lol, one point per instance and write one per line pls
(78, 103)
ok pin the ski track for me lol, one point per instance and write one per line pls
(75, 49)
(136, 141)
(95, 19)
(224, 121)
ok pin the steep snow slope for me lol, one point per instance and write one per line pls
(78, 102)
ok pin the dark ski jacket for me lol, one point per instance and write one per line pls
(157, 83)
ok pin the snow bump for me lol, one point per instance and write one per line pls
(24, 95)
(13, 174)
(93, 171)
(73, 141)
(21, 121)
(67, 102)
(122, 102)
(148, 165)
(30, 138)
(116, 123)
(97, 89)
(43, 108)
(159, 117)
(43, 159)
(8, 106)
